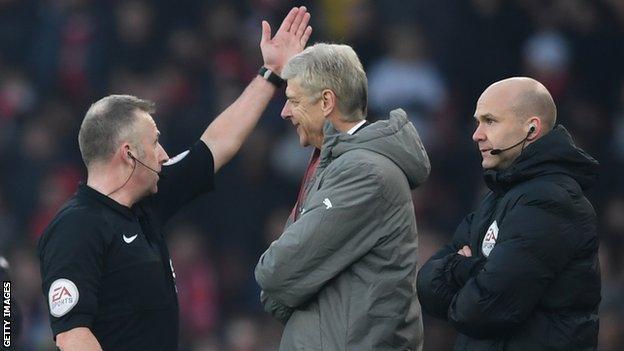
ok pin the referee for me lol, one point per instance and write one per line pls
(106, 271)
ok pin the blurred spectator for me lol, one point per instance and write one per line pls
(349, 21)
(68, 48)
(17, 95)
(136, 38)
(196, 281)
(407, 78)
(546, 57)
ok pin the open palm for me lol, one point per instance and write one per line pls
(289, 40)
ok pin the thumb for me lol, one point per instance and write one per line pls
(266, 32)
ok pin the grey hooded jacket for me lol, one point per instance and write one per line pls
(343, 276)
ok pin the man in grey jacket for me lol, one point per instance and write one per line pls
(342, 276)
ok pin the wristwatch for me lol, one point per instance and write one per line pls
(271, 76)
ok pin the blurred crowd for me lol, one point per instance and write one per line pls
(431, 57)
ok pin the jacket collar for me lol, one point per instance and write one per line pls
(554, 153)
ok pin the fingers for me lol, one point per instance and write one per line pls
(301, 14)
(300, 29)
(266, 32)
(287, 22)
(306, 35)
(465, 251)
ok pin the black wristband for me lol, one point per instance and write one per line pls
(270, 76)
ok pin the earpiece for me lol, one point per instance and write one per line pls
(144, 165)
(532, 128)
(133, 168)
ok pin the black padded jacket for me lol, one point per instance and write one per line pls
(533, 282)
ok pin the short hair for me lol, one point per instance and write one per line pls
(107, 123)
(335, 67)
(531, 99)
(537, 101)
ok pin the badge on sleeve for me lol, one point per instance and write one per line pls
(490, 239)
(62, 297)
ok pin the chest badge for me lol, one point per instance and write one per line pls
(490, 239)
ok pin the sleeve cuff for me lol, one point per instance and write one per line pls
(205, 158)
(68, 323)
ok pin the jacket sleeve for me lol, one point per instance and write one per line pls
(339, 225)
(441, 277)
(183, 178)
(275, 309)
(501, 296)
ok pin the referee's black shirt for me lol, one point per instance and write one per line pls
(106, 266)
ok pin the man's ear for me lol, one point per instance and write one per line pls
(328, 102)
(534, 128)
(125, 153)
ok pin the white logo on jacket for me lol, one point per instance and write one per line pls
(62, 297)
(129, 239)
(176, 159)
(327, 203)
(490, 239)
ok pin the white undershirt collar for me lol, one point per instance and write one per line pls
(355, 127)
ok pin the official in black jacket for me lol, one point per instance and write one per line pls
(522, 272)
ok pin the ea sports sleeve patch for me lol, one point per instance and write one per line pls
(62, 297)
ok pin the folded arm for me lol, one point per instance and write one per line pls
(503, 294)
(441, 277)
(337, 228)
(497, 295)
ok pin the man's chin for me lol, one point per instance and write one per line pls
(153, 190)
(487, 165)
(303, 141)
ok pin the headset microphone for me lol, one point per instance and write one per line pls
(499, 151)
(144, 165)
(131, 173)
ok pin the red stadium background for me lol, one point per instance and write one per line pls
(431, 57)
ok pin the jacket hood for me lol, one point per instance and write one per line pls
(395, 138)
(554, 153)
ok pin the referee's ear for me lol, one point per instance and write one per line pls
(125, 154)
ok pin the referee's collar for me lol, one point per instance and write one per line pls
(89, 192)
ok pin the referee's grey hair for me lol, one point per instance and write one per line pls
(334, 67)
(107, 123)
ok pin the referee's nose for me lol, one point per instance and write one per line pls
(162, 155)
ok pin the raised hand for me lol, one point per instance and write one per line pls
(289, 40)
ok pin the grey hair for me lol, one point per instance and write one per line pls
(334, 67)
(107, 123)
